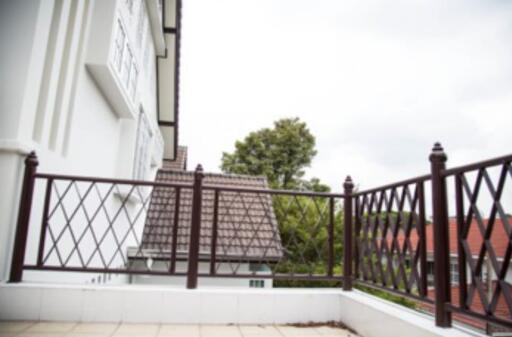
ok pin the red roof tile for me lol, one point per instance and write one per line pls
(502, 310)
(499, 237)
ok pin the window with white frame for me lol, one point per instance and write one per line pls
(454, 272)
(142, 147)
(129, 5)
(124, 61)
(147, 52)
(119, 45)
(133, 81)
(430, 268)
(256, 283)
(128, 61)
(141, 24)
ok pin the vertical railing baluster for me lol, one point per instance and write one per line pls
(422, 234)
(357, 228)
(330, 264)
(175, 231)
(195, 230)
(461, 258)
(441, 237)
(44, 222)
(20, 241)
(348, 187)
(213, 252)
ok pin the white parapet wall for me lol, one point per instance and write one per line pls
(369, 316)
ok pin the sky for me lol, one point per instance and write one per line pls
(377, 82)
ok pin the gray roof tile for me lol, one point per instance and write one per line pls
(247, 225)
(178, 164)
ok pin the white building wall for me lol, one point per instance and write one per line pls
(204, 268)
(52, 103)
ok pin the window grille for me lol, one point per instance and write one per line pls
(119, 46)
(133, 81)
(142, 147)
(256, 283)
(128, 60)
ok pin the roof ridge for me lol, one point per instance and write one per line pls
(215, 174)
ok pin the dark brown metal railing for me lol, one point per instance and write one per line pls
(390, 238)
(481, 206)
(91, 224)
(380, 238)
(292, 234)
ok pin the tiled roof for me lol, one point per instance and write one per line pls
(178, 164)
(501, 310)
(247, 226)
(499, 237)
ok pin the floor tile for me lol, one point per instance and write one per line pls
(8, 334)
(14, 326)
(95, 328)
(259, 330)
(87, 334)
(51, 327)
(297, 331)
(331, 332)
(139, 330)
(220, 331)
(41, 334)
(177, 330)
(64, 329)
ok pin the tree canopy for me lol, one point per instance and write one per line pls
(280, 153)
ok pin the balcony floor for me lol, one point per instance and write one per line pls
(40, 329)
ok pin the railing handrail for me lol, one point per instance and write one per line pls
(409, 181)
(111, 180)
(272, 191)
(477, 165)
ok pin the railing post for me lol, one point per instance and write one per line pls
(20, 241)
(441, 240)
(348, 187)
(195, 230)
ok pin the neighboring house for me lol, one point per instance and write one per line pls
(92, 87)
(248, 236)
(499, 241)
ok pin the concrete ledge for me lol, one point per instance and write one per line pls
(369, 316)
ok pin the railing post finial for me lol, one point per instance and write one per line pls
(438, 153)
(348, 187)
(438, 160)
(348, 184)
(32, 159)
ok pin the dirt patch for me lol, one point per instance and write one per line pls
(331, 324)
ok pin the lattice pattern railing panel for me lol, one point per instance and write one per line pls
(390, 238)
(274, 234)
(483, 199)
(103, 226)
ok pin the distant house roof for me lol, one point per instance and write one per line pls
(247, 225)
(501, 310)
(499, 237)
(178, 164)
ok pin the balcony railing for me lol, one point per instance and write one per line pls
(381, 238)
